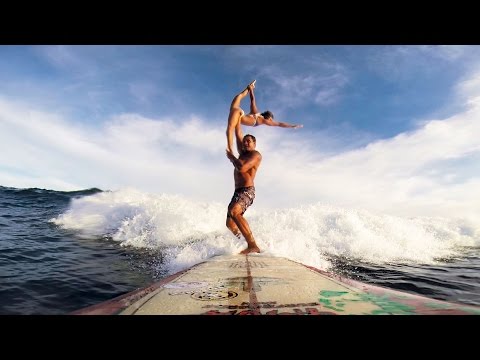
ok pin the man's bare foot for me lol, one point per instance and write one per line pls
(249, 250)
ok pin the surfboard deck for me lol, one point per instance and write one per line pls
(266, 285)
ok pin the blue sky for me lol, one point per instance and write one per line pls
(388, 128)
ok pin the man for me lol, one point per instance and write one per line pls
(246, 167)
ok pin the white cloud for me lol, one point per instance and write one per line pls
(323, 85)
(81, 61)
(144, 92)
(447, 52)
(423, 172)
(400, 63)
(128, 151)
(291, 76)
(60, 56)
(469, 88)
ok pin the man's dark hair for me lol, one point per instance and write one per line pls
(253, 138)
(267, 114)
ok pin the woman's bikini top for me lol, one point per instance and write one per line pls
(255, 116)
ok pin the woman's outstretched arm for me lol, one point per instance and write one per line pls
(271, 122)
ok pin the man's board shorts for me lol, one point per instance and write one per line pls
(244, 197)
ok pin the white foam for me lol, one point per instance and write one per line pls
(189, 232)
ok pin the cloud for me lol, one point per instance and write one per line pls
(143, 92)
(93, 82)
(292, 76)
(129, 150)
(427, 171)
(410, 173)
(404, 63)
(322, 86)
(60, 56)
(469, 88)
(447, 52)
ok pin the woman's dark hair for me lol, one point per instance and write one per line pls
(267, 114)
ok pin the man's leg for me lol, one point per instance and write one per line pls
(233, 227)
(242, 224)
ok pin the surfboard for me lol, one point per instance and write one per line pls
(258, 284)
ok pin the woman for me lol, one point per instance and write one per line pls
(237, 116)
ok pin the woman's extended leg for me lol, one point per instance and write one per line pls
(235, 114)
(253, 104)
(233, 120)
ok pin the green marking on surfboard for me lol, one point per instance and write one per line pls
(438, 306)
(333, 304)
(387, 305)
(337, 300)
(330, 293)
(453, 307)
(470, 310)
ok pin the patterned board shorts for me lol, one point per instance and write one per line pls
(244, 197)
